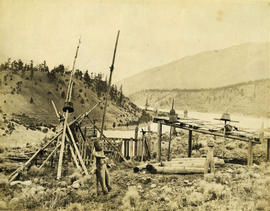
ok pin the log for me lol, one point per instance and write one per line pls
(178, 164)
(140, 167)
(218, 161)
(176, 170)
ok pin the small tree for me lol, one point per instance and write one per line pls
(31, 100)
(87, 78)
(31, 70)
(63, 94)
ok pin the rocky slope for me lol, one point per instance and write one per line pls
(251, 98)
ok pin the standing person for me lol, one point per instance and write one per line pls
(102, 173)
(209, 162)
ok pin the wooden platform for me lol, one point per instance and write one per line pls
(209, 128)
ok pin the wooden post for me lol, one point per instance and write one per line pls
(142, 148)
(125, 148)
(131, 154)
(189, 143)
(159, 140)
(169, 147)
(128, 156)
(268, 150)
(136, 140)
(250, 153)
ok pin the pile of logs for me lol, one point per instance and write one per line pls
(178, 166)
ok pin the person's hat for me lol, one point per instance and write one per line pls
(100, 154)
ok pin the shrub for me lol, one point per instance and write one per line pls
(131, 199)
(2, 149)
(3, 181)
(82, 101)
(3, 205)
(35, 171)
(31, 100)
(74, 207)
(195, 199)
(16, 204)
(45, 130)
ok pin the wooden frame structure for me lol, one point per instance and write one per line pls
(201, 127)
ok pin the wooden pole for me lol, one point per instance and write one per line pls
(109, 87)
(20, 169)
(250, 153)
(189, 143)
(59, 169)
(159, 140)
(77, 151)
(74, 158)
(51, 154)
(268, 150)
(169, 147)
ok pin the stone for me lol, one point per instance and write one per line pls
(76, 184)
(147, 180)
(153, 185)
(26, 183)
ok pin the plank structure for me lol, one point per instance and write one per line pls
(209, 128)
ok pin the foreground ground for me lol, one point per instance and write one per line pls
(233, 187)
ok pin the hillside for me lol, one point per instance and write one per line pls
(209, 69)
(17, 89)
(250, 98)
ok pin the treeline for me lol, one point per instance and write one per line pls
(92, 81)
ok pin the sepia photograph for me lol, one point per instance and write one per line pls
(139, 105)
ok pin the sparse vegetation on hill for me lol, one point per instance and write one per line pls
(251, 98)
(28, 89)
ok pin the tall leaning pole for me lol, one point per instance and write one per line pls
(68, 108)
(109, 88)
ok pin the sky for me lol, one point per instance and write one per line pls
(152, 32)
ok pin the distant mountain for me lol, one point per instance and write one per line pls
(236, 64)
(251, 98)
